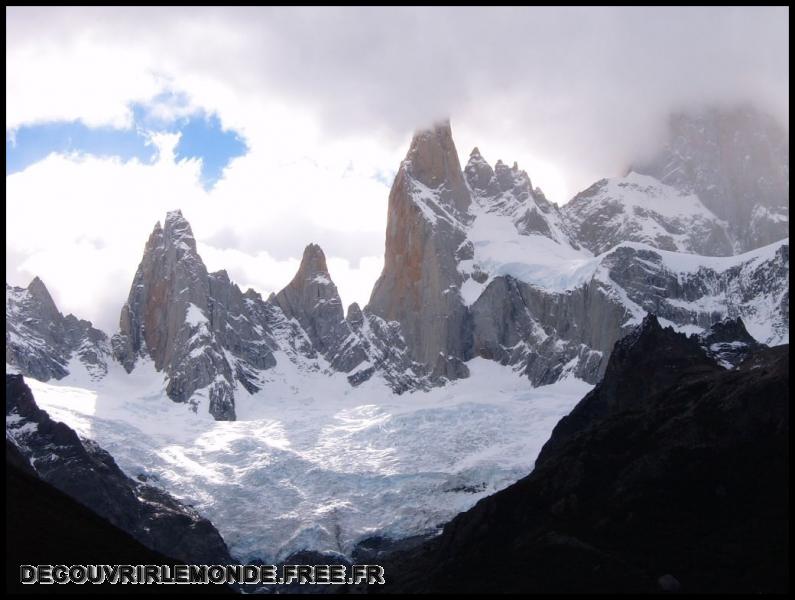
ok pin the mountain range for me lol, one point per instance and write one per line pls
(627, 349)
(478, 263)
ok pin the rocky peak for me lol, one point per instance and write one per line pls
(39, 294)
(354, 315)
(432, 160)
(167, 317)
(428, 209)
(313, 263)
(312, 299)
(512, 179)
(177, 230)
(728, 342)
(479, 174)
(41, 342)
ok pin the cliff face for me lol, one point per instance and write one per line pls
(426, 222)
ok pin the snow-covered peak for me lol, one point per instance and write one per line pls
(508, 192)
(641, 208)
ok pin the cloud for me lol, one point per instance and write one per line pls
(326, 100)
(578, 87)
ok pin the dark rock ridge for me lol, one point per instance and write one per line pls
(46, 526)
(87, 473)
(670, 475)
(729, 343)
(40, 341)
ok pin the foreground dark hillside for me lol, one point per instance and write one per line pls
(671, 475)
(45, 526)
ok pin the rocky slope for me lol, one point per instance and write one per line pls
(671, 475)
(85, 472)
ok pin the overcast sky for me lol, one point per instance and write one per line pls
(320, 105)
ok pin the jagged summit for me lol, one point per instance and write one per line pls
(427, 212)
(313, 261)
(477, 263)
(43, 343)
(312, 299)
(177, 230)
(42, 295)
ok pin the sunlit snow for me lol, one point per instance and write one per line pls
(312, 463)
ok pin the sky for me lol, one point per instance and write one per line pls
(272, 128)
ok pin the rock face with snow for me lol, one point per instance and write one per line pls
(697, 291)
(508, 191)
(311, 298)
(208, 337)
(729, 343)
(639, 208)
(166, 319)
(737, 162)
(87, 473)
(41, 342)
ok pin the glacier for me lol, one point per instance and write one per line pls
(312, 463)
